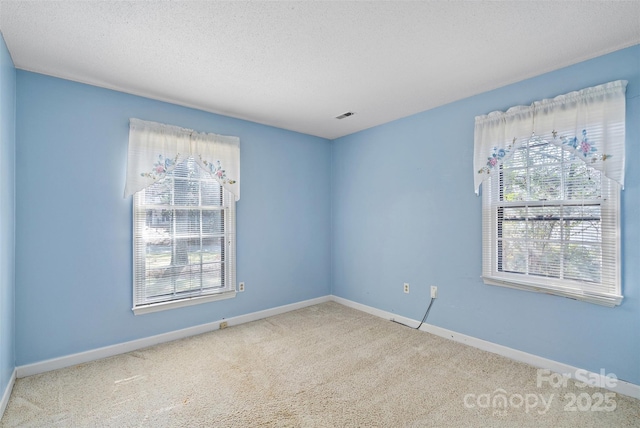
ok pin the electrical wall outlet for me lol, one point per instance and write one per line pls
(406, 287)
(434, 292)
(224, 324)
(241, 287)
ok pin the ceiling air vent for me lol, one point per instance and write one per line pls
(343, 115)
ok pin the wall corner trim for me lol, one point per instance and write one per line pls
(7, 393)
(621, 387)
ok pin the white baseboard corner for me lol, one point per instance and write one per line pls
(620, 386)
(121, 348)
(7, 393)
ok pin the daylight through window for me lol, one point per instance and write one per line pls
(551, 175)
(553, 221)
(184, 237)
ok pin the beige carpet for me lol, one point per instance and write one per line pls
(322, 366)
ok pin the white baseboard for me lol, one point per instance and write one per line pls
(621, 386)
(121, 348)
(7, 393)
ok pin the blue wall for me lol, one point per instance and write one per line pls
(74, 229)
(356, 217)
(404, 210)
(7, 218)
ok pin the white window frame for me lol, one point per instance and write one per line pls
(142, 305)
(610, 213)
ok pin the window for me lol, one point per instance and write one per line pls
(551, 176)
(185, 186)
(550, 223)
(184, 239)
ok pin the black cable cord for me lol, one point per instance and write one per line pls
(423, 318)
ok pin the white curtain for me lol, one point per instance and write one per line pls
(155, 149)
(590, 123)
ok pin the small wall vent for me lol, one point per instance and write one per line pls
(343, 115)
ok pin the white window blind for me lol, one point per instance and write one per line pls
(550, 223)
(184, 240)
(185, 185)
(551, 175)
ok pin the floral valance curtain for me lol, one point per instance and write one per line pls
(590, 123)
(155, 149)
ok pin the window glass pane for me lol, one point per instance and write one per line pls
(158, 254)
(212, 250)
(514, 186)
(544, 259)
(514, 224)
(158, 224)
(514, 256)
(180, 256)
(212, 222)
(582, 224)
(159, 193)
(212, 274)
(187, 222)
(193, 251)
(186, 169)
(545, 182)
(211, 193)
(583, 262)
(186, 192)
(543, 153)
(188, 278)
(518, 159)
(515, 213)
(514, 229)
(581, 182)
(544, 223)
(158, 283)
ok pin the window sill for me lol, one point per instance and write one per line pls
(608, 300)
(157, 307)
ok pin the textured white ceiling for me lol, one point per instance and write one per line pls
(297, 65)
